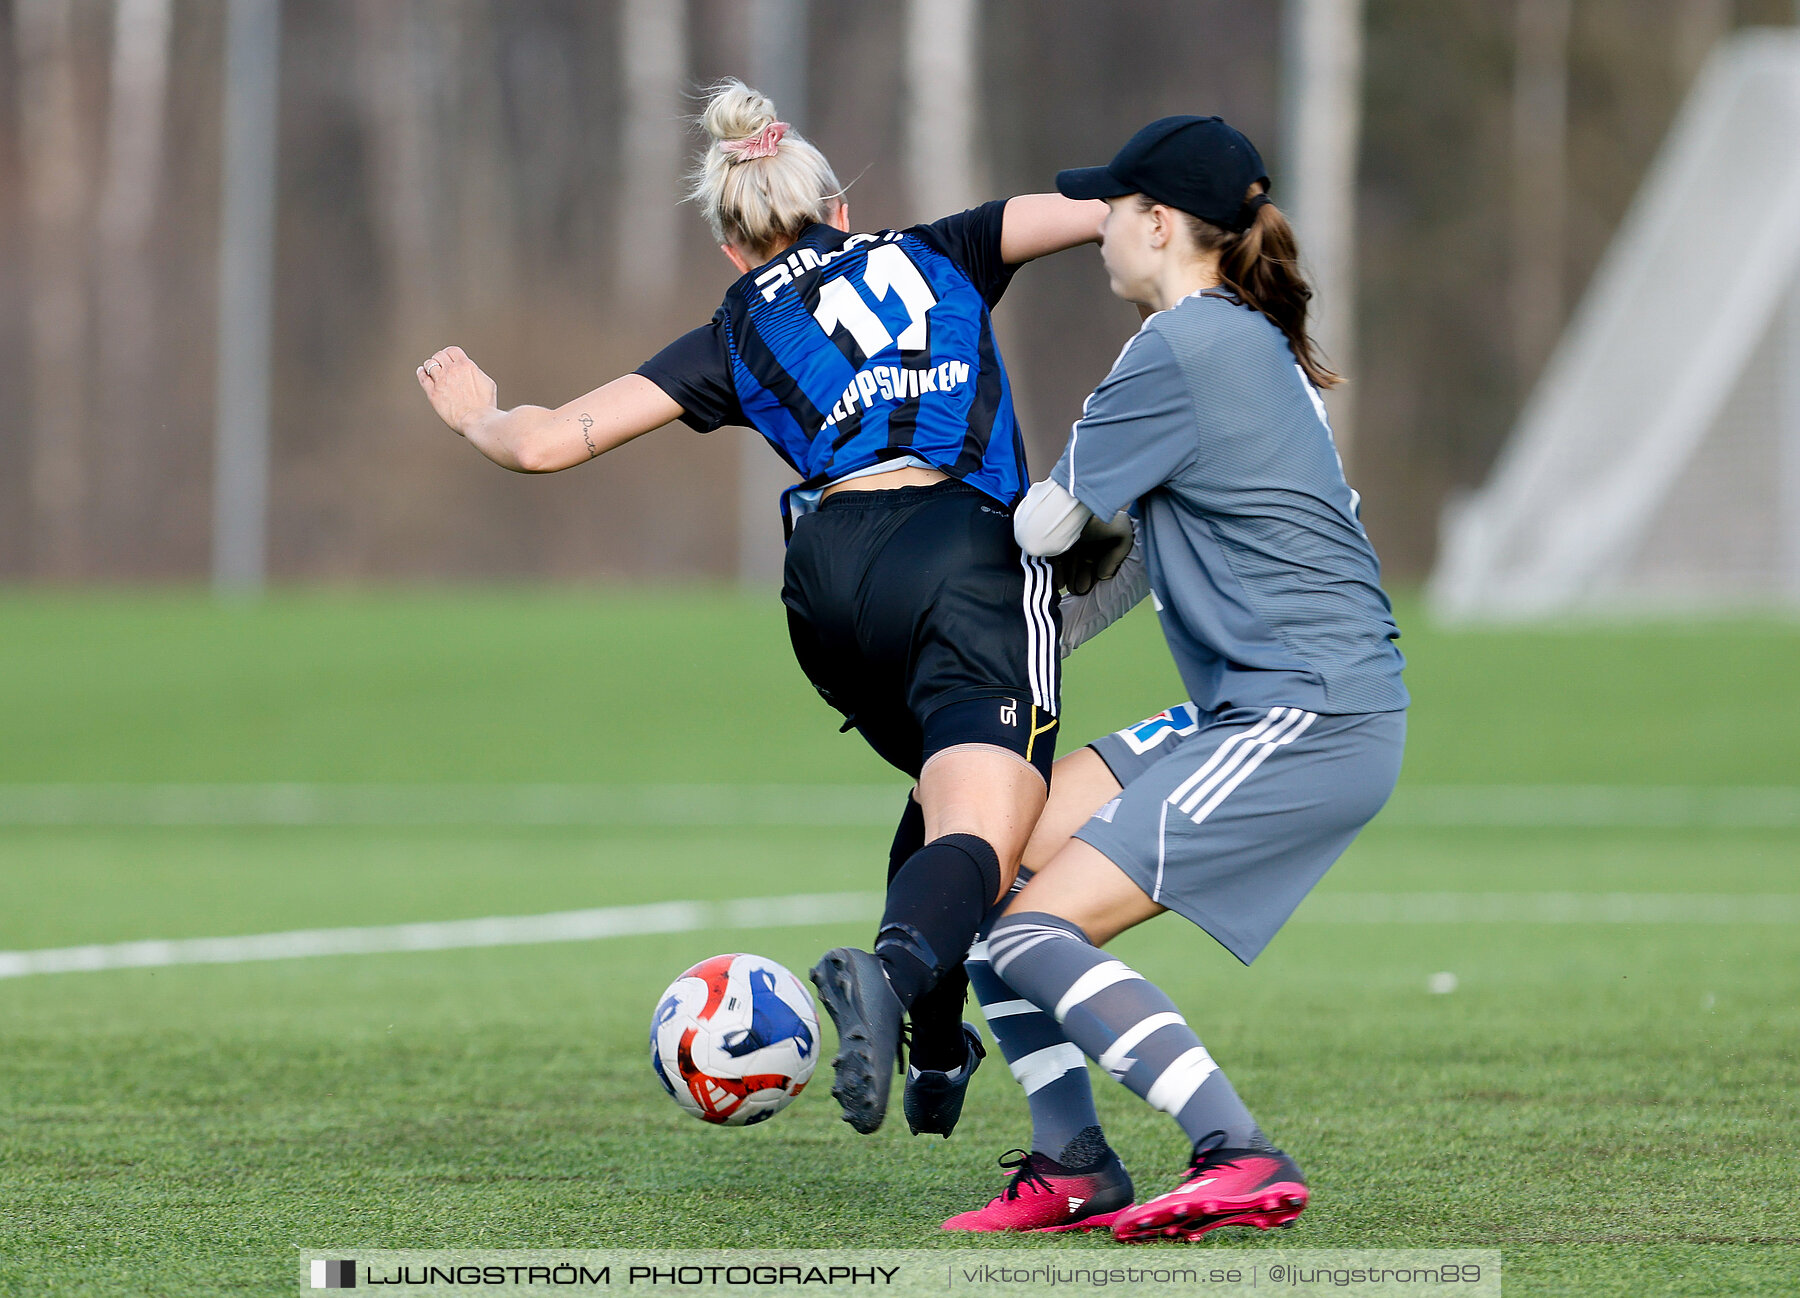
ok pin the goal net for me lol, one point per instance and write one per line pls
(1657, 465)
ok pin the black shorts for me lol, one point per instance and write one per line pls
(915, 614)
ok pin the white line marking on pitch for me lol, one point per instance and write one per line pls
(699, 805)
(848, 907)
(448, 935)
(715, 805)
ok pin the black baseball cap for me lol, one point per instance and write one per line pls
(1201, 165)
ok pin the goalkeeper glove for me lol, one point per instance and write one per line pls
(1096, 554)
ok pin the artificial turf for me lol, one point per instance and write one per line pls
(1611, 1106)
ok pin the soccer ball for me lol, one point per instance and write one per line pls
(735, 1039)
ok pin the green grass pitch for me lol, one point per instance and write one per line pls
(1615, 1107)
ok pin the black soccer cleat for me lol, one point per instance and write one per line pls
(868, 1016)
(933, 1102)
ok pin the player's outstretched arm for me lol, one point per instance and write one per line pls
(533, 439)
(1037, 225)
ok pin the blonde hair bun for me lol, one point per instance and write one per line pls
(758, 200)
(736, 112)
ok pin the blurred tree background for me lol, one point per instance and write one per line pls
(504, 174)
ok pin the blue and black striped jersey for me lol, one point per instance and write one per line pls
(851, 349)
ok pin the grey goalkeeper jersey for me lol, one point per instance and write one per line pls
(1267, 586)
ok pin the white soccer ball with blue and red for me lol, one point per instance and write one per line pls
(735, 1039)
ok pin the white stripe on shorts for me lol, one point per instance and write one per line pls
(1092, 983)
(1040, 633)
(1253, 746)
(1223, 752)
(1162, 850)
(1279, 720)
(1117, 1058)
(1041, 1067)
(1171, 1092)
(1263, 748)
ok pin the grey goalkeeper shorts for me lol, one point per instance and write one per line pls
(1230, 818)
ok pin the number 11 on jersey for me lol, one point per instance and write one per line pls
(887, 271)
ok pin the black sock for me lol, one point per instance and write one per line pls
(909, 837)
(935, 904)
(936, 1016)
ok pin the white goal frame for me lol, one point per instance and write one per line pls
(1703, 275)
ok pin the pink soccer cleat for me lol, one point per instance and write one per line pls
(1223, 1187)
(1043, 1195)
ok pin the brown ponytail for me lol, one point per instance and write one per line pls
(1261, 268)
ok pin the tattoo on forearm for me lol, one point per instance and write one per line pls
(587, 422)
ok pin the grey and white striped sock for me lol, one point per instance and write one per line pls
(1120, 1020)
(1051, 1069)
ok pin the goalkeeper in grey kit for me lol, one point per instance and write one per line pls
(1229, 807)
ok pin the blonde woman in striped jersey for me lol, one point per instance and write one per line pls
(868, 362)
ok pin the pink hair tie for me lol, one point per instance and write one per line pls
(761, 145)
